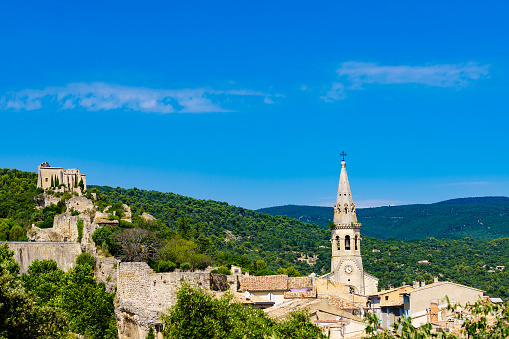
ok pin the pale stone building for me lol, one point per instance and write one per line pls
(346, 263)
(69, 177)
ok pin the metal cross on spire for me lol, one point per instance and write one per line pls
(343, 154)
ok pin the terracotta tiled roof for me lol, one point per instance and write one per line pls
(342, 303)
(264, 283)
(300, 282)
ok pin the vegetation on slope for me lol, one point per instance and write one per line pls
(240, 236)
(255, 240)
(478, 218)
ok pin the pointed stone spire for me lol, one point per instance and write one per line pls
(344, 209)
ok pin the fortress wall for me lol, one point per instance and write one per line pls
(64, 254)
(142, 296)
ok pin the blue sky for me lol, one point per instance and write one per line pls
(252, 103)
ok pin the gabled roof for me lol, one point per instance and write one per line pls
(264, 283)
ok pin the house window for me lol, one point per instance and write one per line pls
(347, 242)
(270, 296)
(338, 242)
(46, 179)
(356, 243)
(386, 297)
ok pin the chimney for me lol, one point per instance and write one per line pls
(416, 284)
(435, 279)
(403, 284)
(423, 283)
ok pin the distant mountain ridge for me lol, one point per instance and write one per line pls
(477, 217)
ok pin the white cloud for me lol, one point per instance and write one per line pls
(355, 74)
(102, 96)
(336, 92)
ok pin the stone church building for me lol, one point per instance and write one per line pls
(346, 263)
(69, 177)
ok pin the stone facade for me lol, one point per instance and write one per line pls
(69, 177)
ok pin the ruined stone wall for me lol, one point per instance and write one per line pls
(142, 296)
(80, 204)
(64, 254)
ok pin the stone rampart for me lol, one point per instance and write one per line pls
(142, 296)
(64, 253)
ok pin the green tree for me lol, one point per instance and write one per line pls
(198, 314)
(20, 316)
(260, 265)
(87, 306)
(17, 233)
(86, 259)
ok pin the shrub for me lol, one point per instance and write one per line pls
(185, 266)
(165, 266)
(222, 270)
(17, 234)
(85, 259)
(80, 225)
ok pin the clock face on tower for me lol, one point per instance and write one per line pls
(348, 269)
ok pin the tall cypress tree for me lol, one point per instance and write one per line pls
(75, 180)
(52, 182)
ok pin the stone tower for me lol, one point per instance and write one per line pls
(346, 261)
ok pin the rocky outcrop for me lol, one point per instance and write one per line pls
(47, 201)
(147, 217)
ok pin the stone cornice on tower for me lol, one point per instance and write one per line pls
(344, 210)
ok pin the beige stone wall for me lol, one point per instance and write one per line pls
(370, 284)
(45, 174)
(421, 298)
(80, 204)
(142, 296)
(64, 254)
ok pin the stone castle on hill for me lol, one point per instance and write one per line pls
(52, 177)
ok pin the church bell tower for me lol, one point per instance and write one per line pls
(346, 261)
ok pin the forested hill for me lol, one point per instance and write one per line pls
(244, 237)
(478, 218)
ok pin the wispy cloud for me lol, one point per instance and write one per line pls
(354, 75)
(336, 92)
(103, 96)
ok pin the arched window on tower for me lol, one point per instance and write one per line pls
(347, 242)
(346, 210)
(338, 242)
(356, 238)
